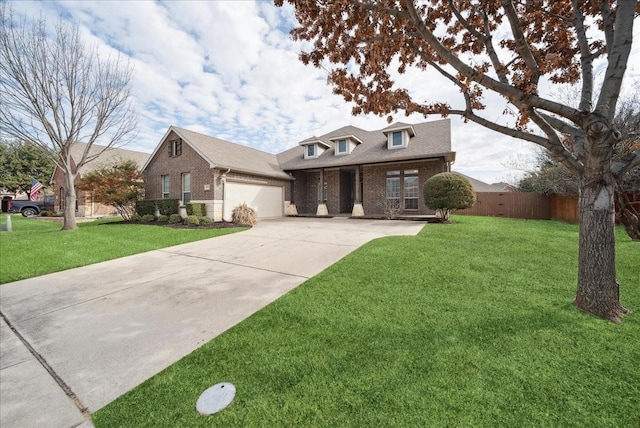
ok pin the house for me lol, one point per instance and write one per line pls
(85, 205)
(349, 170)
(194, 167)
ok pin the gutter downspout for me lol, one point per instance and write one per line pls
(223, 180)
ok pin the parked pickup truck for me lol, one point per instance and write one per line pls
(26, 208)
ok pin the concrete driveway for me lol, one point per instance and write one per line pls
(73, 341)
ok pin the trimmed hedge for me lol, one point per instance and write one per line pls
(197, 209)
(165, 206)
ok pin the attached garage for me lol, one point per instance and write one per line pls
(268, 201)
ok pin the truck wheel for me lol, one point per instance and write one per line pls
(29, 212)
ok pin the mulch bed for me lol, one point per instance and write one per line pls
(214, 225)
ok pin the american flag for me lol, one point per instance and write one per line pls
(36, 186)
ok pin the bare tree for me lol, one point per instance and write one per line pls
(58, 91)
(511, 49)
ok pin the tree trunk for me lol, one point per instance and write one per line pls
(69, 201)
(598, 290)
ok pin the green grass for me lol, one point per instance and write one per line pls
(470, 324)
(37, 247)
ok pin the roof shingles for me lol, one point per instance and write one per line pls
(432, 139)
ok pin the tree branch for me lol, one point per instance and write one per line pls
(513, 94)
(586, 58)
(521, 41)
(618, 56)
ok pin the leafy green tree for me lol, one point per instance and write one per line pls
(119, 185)
(20, 162)
(448, 191)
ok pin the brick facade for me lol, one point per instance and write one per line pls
(188, 162)
(206, 182)
(374, 184)
(340, 187)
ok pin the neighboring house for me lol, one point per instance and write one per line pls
(481, 186)
(194, 167)
(85, 205)
(349, 170)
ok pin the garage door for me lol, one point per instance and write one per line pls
(268, 201)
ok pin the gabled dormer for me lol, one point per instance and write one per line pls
(313, 147)
(398, 135)
(343, 145)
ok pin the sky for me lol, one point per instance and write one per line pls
(229, 69)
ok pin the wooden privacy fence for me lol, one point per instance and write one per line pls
(563, 208)
(534, 206)
(510, 204)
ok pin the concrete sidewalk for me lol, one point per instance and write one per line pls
(78, 339)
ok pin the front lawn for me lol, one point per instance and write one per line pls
(37, 246)
(470, 324)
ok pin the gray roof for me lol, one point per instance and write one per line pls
(226, 155)
(432, 139)
(481, 186)
(108, 156)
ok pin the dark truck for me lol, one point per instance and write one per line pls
(25, 207)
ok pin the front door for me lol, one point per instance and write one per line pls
(347, 182)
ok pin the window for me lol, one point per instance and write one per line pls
(165, 186)
(186, 187)
(175, 148)
(311, 150)
(410, 192)
(342, 146)
(396, 138)
(402, 190)
(393, 191)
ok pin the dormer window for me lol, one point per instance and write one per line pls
(397, 139)
(314, 148)
(398, 135)
(344, 144)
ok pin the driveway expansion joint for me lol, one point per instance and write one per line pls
(65, 388)
(235, 264)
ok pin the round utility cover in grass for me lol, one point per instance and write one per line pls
(215, 398)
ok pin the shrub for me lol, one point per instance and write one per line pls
(175, 218)
(145, 206)
(205, 220)
(47, 213)
(163, 218)
(167, 206)
(193, 220)
(148, 218)
(136, 217)
(196, 208)
(244, 214)
(164, 206)
(448, 191)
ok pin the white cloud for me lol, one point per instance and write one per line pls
(229, 69)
